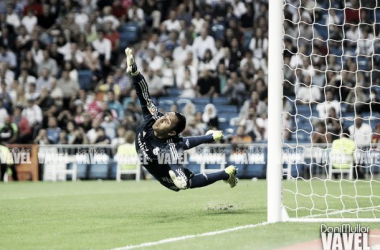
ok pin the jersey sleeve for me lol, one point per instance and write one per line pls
(193, 141)
(148, 108)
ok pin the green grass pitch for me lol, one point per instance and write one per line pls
(106, 215)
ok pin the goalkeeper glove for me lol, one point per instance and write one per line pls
(216, 134)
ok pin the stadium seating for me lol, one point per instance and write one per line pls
(99, 171)
(129, 34)
(85, 79)
(82, 171)
(218, 30)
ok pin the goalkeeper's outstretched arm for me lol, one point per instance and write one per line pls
(147, 105)
(193, 141)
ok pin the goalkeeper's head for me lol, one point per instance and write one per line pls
(168, 125)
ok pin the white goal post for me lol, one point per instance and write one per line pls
(275, 79)
(310, 193)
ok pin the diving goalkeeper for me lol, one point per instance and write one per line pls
(159, 134)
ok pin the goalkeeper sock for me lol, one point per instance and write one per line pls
(201, 180)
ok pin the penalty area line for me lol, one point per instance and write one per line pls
(191, 236)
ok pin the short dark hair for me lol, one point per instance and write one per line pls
(181, 124)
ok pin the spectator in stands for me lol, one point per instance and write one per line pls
(68, 86)
(75, 57)
(308, 93)
(247, 21)
(210, 116)
(22, 38)
(104, 47)
(235, 90)
(207, 62)
(12, 18)
(365, 42)
(53, 131)
(32, 93)
(172, 43)
(8, 131)
(255, 102)
(172, 23)
(222, 77)
(29, 21)
(180, 52)
(152, 13)
(42, 138)
(198, 22)
(187, 85)
(360, 132)
(376, 137)
(259, 44)
(124, 83)
(355, 98)
(189, 110)
(69, 24)
(333, 123)
(120, 137)
(206, 83)
(7, 56)
(352, 12)
(56, 93)
(115, 105)
(155, 61)
(261, 124)
(241, 136)
(81, 18)
(44, 101)
(136, 15)
(24, 132)
(321, 135)
(101, 137)
(75, 135)
(371, 104)
(62, 137)
(113, 35)
(154, 84)
(25, 78)
(324, 107)
(55, 54)
(79, 114)
(5, 96)
(73, 72)
(44, 80)
(239, 8)
(199, 124)
(202, 43)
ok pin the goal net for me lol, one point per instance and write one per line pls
(331, 124)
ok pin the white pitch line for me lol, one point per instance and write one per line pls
(185, 237)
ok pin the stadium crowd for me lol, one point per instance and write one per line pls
(203, 48)
(44, 45)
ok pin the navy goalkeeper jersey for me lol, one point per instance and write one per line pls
(154, 152)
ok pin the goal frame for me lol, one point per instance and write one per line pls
(275, 210)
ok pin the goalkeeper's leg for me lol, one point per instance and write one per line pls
(228, 175)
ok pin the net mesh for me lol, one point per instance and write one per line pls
(331, 108)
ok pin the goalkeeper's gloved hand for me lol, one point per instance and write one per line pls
(216, 134)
